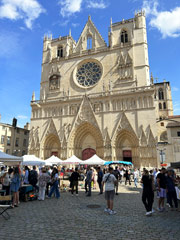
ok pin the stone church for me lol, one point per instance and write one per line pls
(97, 98)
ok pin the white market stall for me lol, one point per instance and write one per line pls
(94, 160)
(32, 160)
(53, 160)
(10, 160)
(72, 160)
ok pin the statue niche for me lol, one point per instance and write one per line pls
(54, 82)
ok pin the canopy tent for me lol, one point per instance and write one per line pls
(53, 160)
(94, 160)
(32, 160)
(72, 160)
(118, 162)
(10, 160)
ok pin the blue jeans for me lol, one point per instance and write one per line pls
(89, 190)
(135, 182)
(55, 189)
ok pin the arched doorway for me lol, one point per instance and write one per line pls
(52, 146)
(126, 146)
(88, 153)
(86, 140)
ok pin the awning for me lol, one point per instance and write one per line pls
(94, 160)
(10, 160)
(118, 162)
(32, 160)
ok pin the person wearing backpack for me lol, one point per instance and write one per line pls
(33, 178)
(109, 180)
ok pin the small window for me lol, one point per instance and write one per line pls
(164, 105)
(24, 143)
(7, 151)
(25, 132)
(8, 141)
(23, 152)
(17, 142)
(60, 52)
(89, 43)
(2, 139)
(18, 130)
(3, 127)
(161, 94)
(178, 134)
(160, 106)
(124, 36)
(162, 124)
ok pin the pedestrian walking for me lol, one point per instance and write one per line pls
(136, 176)
(127, 176)
(161, 183)
(109, 180)
(148, 192)
(89, 180)
(75, 176)
(99, 179)
(44, 178)
(171, 191)
(54, 182)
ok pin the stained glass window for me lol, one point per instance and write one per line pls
(88, 74)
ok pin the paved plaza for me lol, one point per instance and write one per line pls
(71, 218)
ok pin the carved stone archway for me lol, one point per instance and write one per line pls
(52, 145)
(126, 141)
(78, 136)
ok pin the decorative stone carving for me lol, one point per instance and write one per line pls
(54, 82)
(124, 65)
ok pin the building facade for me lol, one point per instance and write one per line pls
(97, 98)
(14, 140)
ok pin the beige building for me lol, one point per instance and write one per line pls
(14, 140)
(99, 99)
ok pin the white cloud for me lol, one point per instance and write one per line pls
(75, 25)
(167, 22)
(175, 89)
(28, 10)
(69, 7)
(96, 4)
(22, 117)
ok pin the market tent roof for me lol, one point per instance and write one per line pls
(72, 160)
(118, 162)
(32, 160)
(10, 159)
(94, 160)
(53, 160)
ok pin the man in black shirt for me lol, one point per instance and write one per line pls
(74, 178)
(161, 183)
(117, 176)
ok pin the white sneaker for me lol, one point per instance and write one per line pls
(107, 210)
(153, 211)
(148, 213)
(112, 212)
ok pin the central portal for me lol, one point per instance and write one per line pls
(127, 156)
(88, 153)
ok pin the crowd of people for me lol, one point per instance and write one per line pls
(46, 182)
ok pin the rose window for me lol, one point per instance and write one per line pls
(88, 74)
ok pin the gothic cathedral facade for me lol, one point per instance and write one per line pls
(96, 98)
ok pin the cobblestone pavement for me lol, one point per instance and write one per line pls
(70, 218)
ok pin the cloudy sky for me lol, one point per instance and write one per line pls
(23, 24)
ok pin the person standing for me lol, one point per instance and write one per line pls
(14, 187)
(171, 191)
(99, 179)
(109, 180)
(127, 176)
(89, 180)
(75, 176)
(26, 175)
(117, 176)
(136, 177)
(6, 179)
(33, 178)
(54, 181)
(44, 178)
(148, 193)
(161, 183)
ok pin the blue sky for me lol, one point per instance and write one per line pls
(23, 24)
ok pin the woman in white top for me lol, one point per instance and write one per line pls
(6, 181)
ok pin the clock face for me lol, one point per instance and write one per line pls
(88, 74)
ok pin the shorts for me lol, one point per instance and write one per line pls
(109, 195)
(162, 193)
